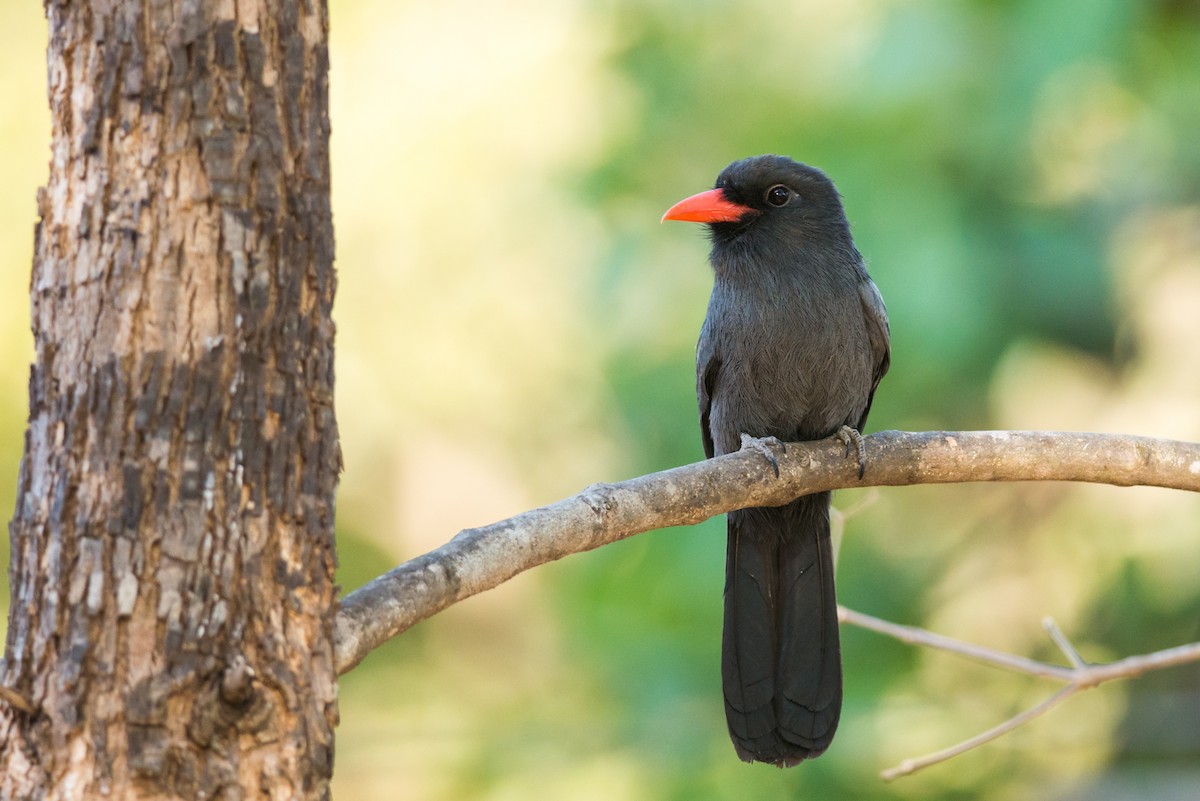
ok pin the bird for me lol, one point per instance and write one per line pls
(793, 346)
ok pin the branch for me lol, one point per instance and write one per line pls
(481, 558)
(1079, 677)
(911, 635)
(910, 766)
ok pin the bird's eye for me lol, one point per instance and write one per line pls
(778, 195)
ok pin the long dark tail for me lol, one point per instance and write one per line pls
(780, 660)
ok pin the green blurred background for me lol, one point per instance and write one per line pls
(1023, 177)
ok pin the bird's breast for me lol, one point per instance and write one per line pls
(791, 367)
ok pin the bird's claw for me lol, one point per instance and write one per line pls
(851, 437)
(765, 446)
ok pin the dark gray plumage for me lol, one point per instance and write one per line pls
(795, 342)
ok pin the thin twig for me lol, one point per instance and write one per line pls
(839, 517)
(916, 636)
(911, 766)
(1081, 676)
(1133, 666)
(864, 502)
(1064, 644)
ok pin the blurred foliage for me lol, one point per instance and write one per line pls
(1024, 180)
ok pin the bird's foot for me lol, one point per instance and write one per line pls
(766, 446)
(851, 437)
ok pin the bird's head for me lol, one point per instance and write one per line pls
(768, 198)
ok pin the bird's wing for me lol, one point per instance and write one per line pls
(708, 365)
(879, 335)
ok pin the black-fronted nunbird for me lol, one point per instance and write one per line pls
(794, 345)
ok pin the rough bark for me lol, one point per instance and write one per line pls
(173, 556)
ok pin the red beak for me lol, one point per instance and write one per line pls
(708, 207)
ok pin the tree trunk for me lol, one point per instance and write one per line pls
(172, 544)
